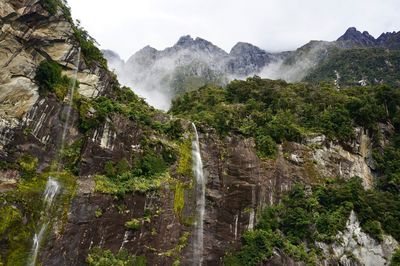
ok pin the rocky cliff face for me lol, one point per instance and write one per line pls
(239, 183)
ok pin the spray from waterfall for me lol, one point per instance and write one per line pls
(52, 186)
(70, 100)
(198, 237)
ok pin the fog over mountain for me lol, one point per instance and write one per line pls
(191, 63)
(159, 76)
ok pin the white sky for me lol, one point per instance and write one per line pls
(126, 26)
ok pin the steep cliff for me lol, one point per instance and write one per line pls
(126, 191)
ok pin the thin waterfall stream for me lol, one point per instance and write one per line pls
(198, 245)
(53, 187)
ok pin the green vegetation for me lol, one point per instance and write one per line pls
(28, 164)
(133, 224)
(179, 198)
(50, 80)
(318, 214)
(9, 215)
(276, 111)
(176, 251)
(185, 159)
(395, 261)
(98, 213)
(125, 102)
(100, 257)
(22, 208)
(129, 184)
(376, 66)
(71, 156)
(50, 5)
(388, 163)
(91, 53)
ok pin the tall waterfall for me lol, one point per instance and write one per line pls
(52, 186)
(200, 199)
(52, 189)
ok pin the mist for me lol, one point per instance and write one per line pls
(160, 76)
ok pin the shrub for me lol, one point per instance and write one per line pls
(49, 79)
(50, 5)
(28, 165)
(9, 215)
(266, 146)
(395, 261)
(48, 75)
(101, 257)
(133, 224)
(91, 53)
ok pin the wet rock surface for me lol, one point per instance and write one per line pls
(239, 183)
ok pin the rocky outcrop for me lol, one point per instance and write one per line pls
(29, 35)
(98, 220)
(354, 247)
(354, 38)
(352, 35)
(247, 59)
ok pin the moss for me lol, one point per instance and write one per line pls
(104, 257)
(26, 201)
(185, 159)
(9, 215)
(28, 165)
(176, 251)
(98, 213)
(179, 198)
(71, 156)
(133, 224)
(17, 257)
(129, 184)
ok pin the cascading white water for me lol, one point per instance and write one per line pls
(52, 186)
(200, 199)
(51, 191)
(37, 240)
(71, 93)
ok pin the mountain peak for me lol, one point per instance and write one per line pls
(185, 40)
(355, 36)
(244, 47)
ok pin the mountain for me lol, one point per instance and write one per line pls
(192, 63)
(354, 38)
(114, 60)
(188, 65)
(258, 172)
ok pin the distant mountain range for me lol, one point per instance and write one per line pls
(191, 63)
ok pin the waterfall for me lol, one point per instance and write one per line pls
(52, 189)
(200, 199)
(71, 93)
(52, 186)
(37, 240)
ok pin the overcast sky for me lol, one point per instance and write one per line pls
(126, 26)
